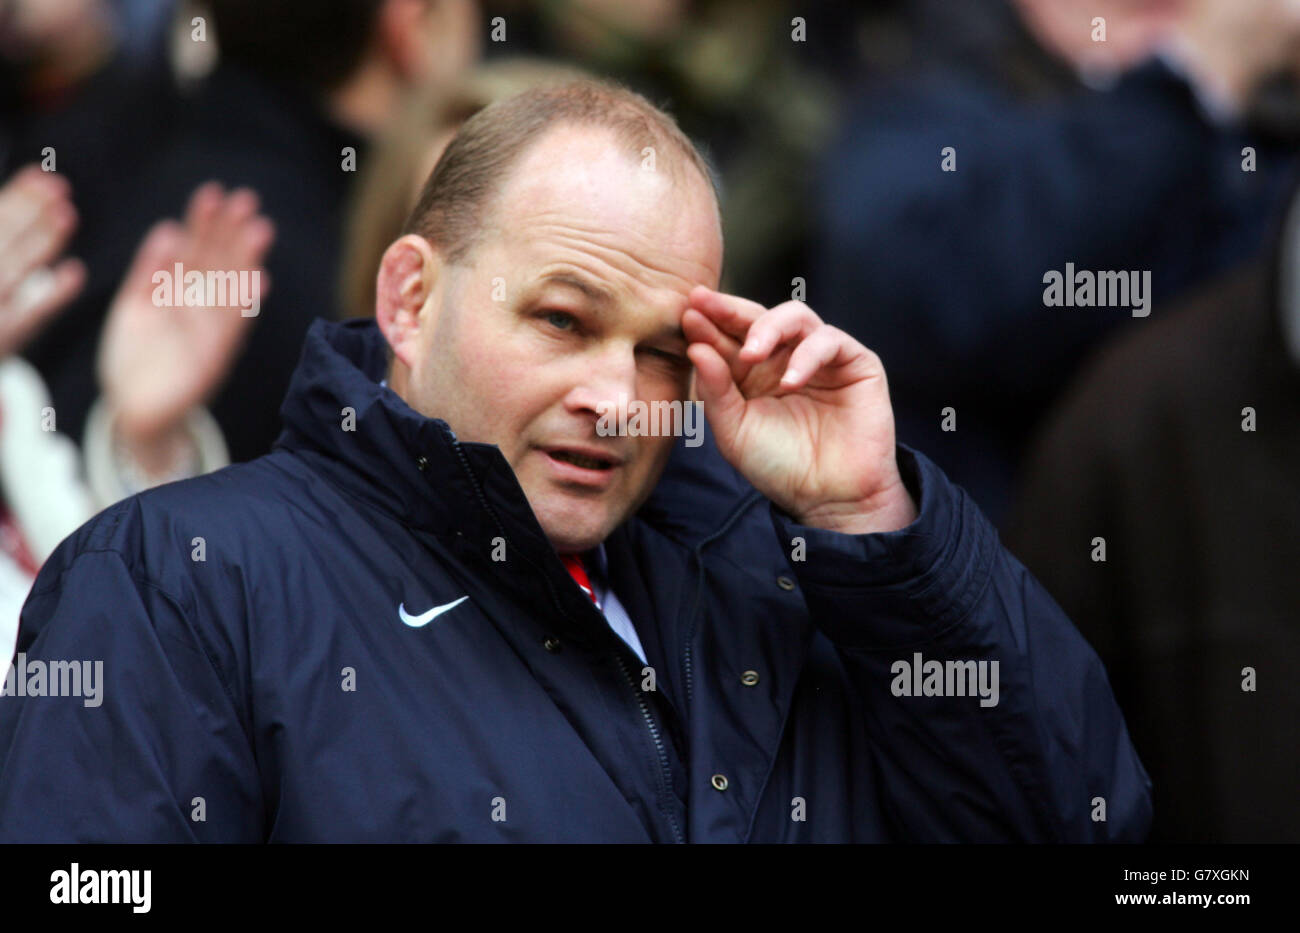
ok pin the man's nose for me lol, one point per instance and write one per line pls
(607, 380)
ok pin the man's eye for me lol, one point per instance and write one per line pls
(667, 356)
(561, 320)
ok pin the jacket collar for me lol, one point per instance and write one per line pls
(365, 438)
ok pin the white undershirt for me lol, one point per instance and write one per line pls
(607, 602)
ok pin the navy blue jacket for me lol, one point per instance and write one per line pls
(275, 680)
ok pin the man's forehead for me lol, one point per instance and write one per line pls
(587, 176)
(589, 179)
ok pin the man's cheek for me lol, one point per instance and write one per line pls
(652, 458)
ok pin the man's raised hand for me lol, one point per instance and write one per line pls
(801, 409)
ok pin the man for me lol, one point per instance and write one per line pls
(374, 633)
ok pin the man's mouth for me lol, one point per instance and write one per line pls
(588, 461)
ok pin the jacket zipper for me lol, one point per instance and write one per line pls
(665, 771)
(478, 490)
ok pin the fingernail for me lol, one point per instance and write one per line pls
(790, 376)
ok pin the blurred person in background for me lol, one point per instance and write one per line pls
(1122, 154)
(299, 88)
(157, 365)
(86, 77)
(1178, 451)
(758, 93)
(404, 156)
(80, 95)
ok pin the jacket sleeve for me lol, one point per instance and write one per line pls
(1040, 752)
(113, 476)
(151, 750)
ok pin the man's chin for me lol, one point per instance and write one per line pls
(570, 540)
(573, 528)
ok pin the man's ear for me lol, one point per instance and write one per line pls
(405, 293)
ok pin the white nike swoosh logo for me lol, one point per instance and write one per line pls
(425, 618)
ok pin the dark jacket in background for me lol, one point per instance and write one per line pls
(942, 273)
(104, 131)
(519, 715)
(240, 130)
(1201, 522)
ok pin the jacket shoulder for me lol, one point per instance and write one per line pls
(224, 517)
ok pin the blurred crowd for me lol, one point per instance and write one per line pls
(912, 169)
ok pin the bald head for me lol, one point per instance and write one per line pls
(458, 202)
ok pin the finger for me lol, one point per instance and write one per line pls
(237, 237)
(29, 174)
(202, 200)
(699, 329)
(784, 323)
(51, 234)
(54, 289)
(724, 405)
(33, 174)
(241, 205)
(221, 241)
(160, 249)
(40, 298)
(256, 238)
(825, 348)
(731, 313)
(245, 251)
(27, 201)
(31, 185)
(20, 207)
(202, 209)
(38, 244)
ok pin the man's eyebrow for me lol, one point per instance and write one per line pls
(675, 334)
(601, 296)
(593, 292)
